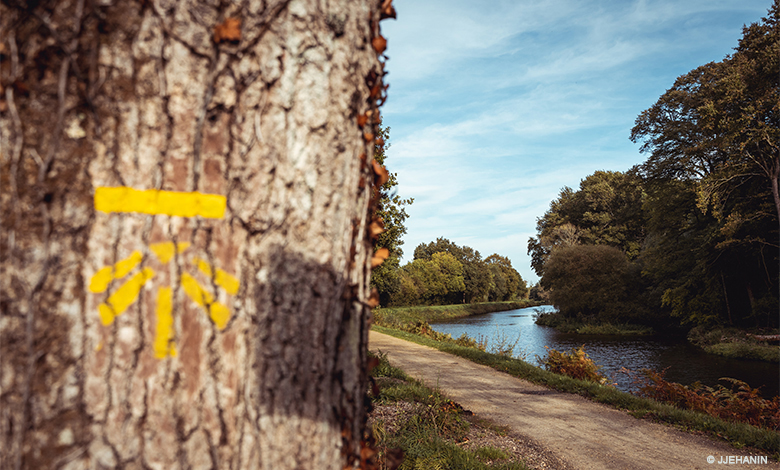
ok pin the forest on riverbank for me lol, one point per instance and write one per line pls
(689, 238)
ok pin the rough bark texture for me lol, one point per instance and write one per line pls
(254, 100)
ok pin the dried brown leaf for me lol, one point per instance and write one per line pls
(380, 172)
(387, 10)
(376, 228)
(379, 257)
(379, 43)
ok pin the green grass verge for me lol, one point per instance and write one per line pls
(738, 434)
(429, 437)
(432, 313)
(758, 352)
(570, 325)
(735, 343)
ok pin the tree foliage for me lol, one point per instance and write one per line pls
(392, 210)
(691, 235)
(444, 273)
(606, 210)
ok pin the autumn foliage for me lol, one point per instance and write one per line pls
(575, 363)
(739, 403)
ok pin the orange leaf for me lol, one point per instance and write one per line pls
(379, 257)
(362, 120)
(229, 31)
(377, 227)
(368, 136)
(379, 43)
(381, 173)
(387, 10)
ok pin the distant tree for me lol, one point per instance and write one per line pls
(432, 281)
(477, 276)
(508, 284)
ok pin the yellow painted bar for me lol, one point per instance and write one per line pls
(127, 293)
(163, 346)
(153, 201)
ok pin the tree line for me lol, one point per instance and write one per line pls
(443, 273)
(690, 236)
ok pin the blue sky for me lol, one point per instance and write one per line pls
(495, 105)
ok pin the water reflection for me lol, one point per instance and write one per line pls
(686, 363)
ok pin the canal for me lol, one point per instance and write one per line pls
(686, 364)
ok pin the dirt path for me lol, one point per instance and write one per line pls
(584, 434)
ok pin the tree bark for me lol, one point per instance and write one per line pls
(184, 258)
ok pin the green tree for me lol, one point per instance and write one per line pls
(720, 123)
(508, 284)
(606, 210)
(588, 281)
(430, 281)
(477, 276)
(391, 208)
(717, 133)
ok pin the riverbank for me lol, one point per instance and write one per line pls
(738, 434)
(404, 317)
(757, 345)
(737, 343)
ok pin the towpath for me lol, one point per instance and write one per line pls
(583, 434)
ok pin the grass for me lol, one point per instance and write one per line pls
(396, 317)
(738, 434)
(570, 325)
(430, 435)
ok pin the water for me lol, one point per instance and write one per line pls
(686, 364)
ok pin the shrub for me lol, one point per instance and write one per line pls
(575, 363)
(741, 403)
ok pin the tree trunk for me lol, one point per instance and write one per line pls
(183, 248)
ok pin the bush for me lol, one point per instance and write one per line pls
(574, 363)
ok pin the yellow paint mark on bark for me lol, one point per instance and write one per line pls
(221, 278)
(101, 279)
(153, 201)
(164, 251)
(219, 313)
(163, 344)
(118, 302)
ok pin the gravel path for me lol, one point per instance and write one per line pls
(581, 433)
